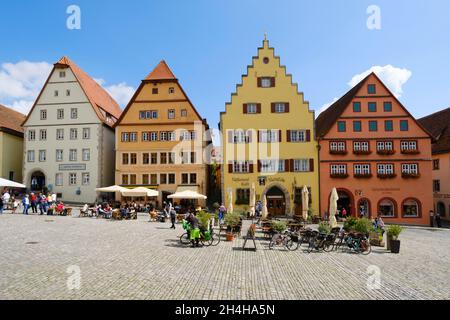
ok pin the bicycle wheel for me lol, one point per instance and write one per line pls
(185, 239)
(365, 248)
(328, 246)
(215, 239)
(312, 245)
(274, 241)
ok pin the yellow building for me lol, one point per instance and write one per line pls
(11, 144)
(268, 140)
(160, 138)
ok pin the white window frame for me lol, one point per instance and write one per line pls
(74, 113)
(361, 146)
(85, 178)
(73, 156)
(271, 166)
(269, 136)
(408, 145)
(86, 133)
(86, 155)
(241, 166)
(154, 136)
(252, 108)
(42, 155)
(32, 135)
(163, 135)
(59, 179)
(72, 179)
(280, 107)
(73, 134)
(385, 168)
(31, 156)
(60, 114)
(171, 114)
(410, 168)
(59, 155)
(385, 146)
(133, 136)
(266, 82)
(338, 169)
(301, 165)
(59, 134)
(361, 169)
(298, 135)
(43, 114)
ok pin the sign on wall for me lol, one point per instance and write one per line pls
(72, 167)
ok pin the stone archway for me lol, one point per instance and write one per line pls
(37, 180)
(284, 191)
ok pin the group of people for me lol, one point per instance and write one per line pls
(38, 203)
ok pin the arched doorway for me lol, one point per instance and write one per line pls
(346, 202)
(276, 202)
(364, 208)
(440, 208)
(38, 181)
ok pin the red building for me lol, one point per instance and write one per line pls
(375, 153)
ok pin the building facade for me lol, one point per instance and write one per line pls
(69, 140)
(11, 144)
(161, 139)
(268, 140)
(376, 155)
(439, 125)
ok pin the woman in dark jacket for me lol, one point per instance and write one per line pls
(195, 230)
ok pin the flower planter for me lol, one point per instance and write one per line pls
(386, 152)
(410, 152)
(362, 176)
(230, 236)
(386, 176)
(410, 176)
(395, 246)
(388, 242)
(338, 152)
(339, 176)
(362, 152)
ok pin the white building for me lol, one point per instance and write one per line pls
(69, 140)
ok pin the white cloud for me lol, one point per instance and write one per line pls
(394, 78)
(21, 82)
(121, 92)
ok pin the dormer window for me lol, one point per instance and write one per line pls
(371, 89)
(155, 91)
(62, 74)
(171, 90)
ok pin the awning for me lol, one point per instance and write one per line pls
(140, 192)
(111, 189)
(11, 184)
(188, 193)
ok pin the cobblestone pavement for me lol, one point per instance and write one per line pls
(143, 260)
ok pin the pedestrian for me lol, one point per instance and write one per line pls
(431, 218)
(195, 229)
(1, 204)
(54, 198)
(344, 213)
(26, 204)
(173, 216)
(33, 202)
(437, 217)
(6, 197)
(222, 211)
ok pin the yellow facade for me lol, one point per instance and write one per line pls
(161, 93)
(276, 105)
(11, 154)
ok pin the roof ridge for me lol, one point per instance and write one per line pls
(162, 71)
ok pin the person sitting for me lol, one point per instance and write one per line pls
(105, 211)
(60, 208)
(125, 212)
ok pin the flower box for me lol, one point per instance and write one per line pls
(410, 152)
(362, 176)
(339, 175)
(387, 176)
(339, 152)
(410, 175)
(386, 152)
(362, 152)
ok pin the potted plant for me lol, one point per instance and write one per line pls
(392, 233)
(350, 223)
(232, 221)
(279, 226)
(324, 227)
(363, 226)
(204, 219)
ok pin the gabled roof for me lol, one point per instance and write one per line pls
(327, 118)
(439, 125)
(99, 98)
(161, 72)
(11, 119)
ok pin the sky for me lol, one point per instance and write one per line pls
(327, 45)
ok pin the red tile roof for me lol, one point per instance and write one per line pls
(11, 119)
(161, 72)
(438, 124)
(99, 97)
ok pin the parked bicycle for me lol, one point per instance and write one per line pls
(207, 237)
(357, 242)
(285, 239)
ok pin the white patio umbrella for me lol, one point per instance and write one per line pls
(265, 212)
(188, 195)
(253, 200)
(111, 189)
(11, 184)
(230, 208)
(333, 208)
(140, 192)
(305, 202)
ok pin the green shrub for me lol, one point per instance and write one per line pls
(350, 224)
(203, 219)
(216, 206)
(363, 226)
(394, 231)
(232, 219)
(279, 226)
(324, 227)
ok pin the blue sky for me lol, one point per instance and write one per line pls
(209, 43)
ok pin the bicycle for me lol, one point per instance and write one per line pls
(317, 241)
(284, 240)
(206, 237)
(358, 243)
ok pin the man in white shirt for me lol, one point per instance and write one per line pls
(54, 198)
(6, 196)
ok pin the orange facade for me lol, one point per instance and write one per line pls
(376, 155)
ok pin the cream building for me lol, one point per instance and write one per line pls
(69, 140)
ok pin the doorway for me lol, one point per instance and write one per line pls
(364, 208)
(345, 203)
(441, 209)
(37, 181)
(276, 202)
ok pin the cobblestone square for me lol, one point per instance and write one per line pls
(144, 260)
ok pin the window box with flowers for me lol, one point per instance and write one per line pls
(362, 152)
(339, 175)
(386, 175)
(385, 152)
(406, 175)
(338, 152)
(410, 151)
(362, 175)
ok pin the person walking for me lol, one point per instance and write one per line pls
(437, 218)
(195, 229)
(173, 217)
(26, 204)
(222, 211)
